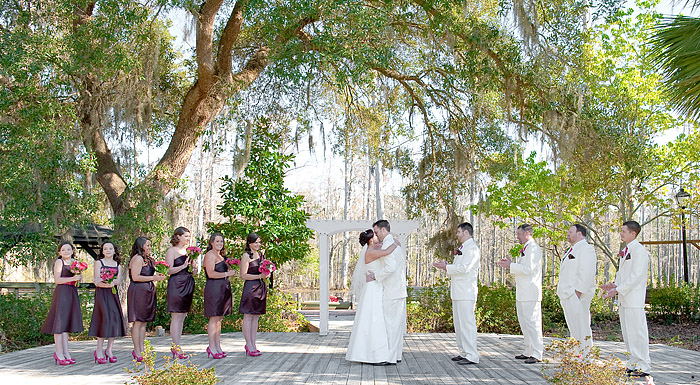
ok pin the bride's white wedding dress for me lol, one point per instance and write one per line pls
(368, 340)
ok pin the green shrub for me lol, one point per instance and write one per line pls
(281, 315)
(429, 309)
(21, 318)
(674, 303)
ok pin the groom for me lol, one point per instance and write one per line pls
(392, 276)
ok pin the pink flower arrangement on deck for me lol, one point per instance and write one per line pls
(267, 267)
(108, 277)
(77, 267)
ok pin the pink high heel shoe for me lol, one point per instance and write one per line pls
(178, 351)
(98, 360)
(224, 354)
(72, 361)
(58, 361)
(112, 359)
(217, 356)
(136, 358)
(251, 353)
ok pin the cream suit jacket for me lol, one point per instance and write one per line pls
(464, 272)
(392, 274)
(577, 270)
(631, 279)
(528, 273)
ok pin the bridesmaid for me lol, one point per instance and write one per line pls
(217, 292)
(64, 316)
(141, 296)
(180, 286)
(254, 295)
(107, 318)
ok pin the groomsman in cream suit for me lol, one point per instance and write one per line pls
(631, 288)
(392, 275)
(528, 293)
(464, 275)
(577, 285)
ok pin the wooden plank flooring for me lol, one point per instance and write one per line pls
(300, 358)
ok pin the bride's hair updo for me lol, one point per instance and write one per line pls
(365, 236)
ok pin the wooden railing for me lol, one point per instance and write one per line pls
(30, 287)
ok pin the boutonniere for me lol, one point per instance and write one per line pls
(622, 253)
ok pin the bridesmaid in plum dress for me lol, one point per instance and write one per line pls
(180, 286)
(107, 318)
(217, 292)
(141, 296)
(254, 295)
(64, 316)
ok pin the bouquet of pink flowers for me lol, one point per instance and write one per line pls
(193, 252)
(233, 263)
(162, 267)
(267, 267)
(108, 276)
(77, 267)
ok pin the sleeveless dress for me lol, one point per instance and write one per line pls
(254, 294)
(369, 341)
(64, 315)
(180, 288)
(141, 297)
(217, 294)
(107, 318)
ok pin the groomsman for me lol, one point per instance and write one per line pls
(464, 273)
(577, 285)
(631, 288)
(528, 293)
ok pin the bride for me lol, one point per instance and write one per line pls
(368, 340)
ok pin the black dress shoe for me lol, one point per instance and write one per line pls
(398, 360)
(458, 358)
(383, 363)
(531, 360)
(628, 370)
(638, 373)
(522, 357)
(465, 361)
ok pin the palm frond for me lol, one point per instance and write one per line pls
(676, 52)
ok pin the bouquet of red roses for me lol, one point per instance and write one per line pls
(233, 263)
(267, 267)
(162, 267)
(108, 276)
(77, 267)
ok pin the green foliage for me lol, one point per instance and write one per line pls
(429, 310)
(589, 369)
(281, 315)
(259, 202)
(674, 303)
(30, 311)
(173, 372)
(675, 43)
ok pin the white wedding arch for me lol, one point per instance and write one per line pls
(326, 228)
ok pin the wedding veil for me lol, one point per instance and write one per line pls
(359, 276)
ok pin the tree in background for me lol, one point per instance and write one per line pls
(259, 202)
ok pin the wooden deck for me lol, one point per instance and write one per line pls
(296, 358)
